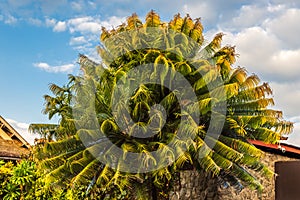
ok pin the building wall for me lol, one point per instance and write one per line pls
(201, 186)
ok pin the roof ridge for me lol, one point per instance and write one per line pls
(14, 132)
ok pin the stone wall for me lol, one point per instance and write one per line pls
(193, 185)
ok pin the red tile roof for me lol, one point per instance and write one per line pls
(285, 148)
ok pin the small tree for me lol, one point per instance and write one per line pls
(163, 94)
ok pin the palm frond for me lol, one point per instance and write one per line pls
(242, 174)
(196, 32)
(208, 51)
(266, 135)
(241, 146)
(223, 150)
(176, 23)
(133, 22)
(152, 19)
(187, 25)
(58, 147)
(42, 129)
(253, 105)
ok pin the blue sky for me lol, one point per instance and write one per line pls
(40, 41)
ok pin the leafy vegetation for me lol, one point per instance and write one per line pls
(17, 180)
(103, 108)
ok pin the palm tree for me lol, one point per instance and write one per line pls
(59, 104)
(163, 94)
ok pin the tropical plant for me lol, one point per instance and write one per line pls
(60, 105)
(208, 130)
(5, 174)
(18, 180)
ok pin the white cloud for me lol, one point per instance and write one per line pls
(88, 26)
(76, 6)
(79, 20)
(87, 30)
(286, 28)
(249, 15)
(261, 52)
(50, 22)
(67, 68)
(276, 8)
(285, 65)
(35, 21)
(78, 40)
(113, 22)
(84, 25)
(22, 129)
(60, 26)
(287, 97)
(200, 9)
(253, 44)
(10, 20)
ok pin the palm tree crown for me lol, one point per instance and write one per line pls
(159, 100)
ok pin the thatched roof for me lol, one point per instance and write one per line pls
(12, 145)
